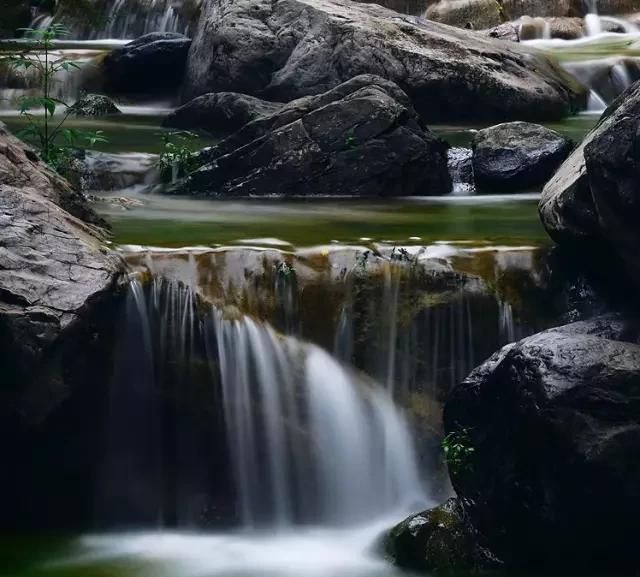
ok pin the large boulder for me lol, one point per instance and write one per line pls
(517, 155)
(152, 64)
(439, 540)
(362, 138)
(554, 421)
(285, 49)
(594, 198)
(220, 112)
(53, 269)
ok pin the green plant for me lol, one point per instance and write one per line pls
(45, 125)
(350, 142)
(177, 159)
(458, 451)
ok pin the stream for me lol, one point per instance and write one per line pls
(329, 460)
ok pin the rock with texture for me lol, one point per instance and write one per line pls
(554, 421)
(53, 268)
(95, 105)
(362, 138)
(594, 197)
(439, 540)
(152, 64)
(285, 49)
(517, 155)
(220, 112)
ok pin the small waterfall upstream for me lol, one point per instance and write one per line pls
(604, 60)
(306, 439)
(127, 19)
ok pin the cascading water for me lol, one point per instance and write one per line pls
(308, 441)
(128, 19)
(605, 62)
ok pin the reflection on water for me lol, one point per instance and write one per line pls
(182, 221)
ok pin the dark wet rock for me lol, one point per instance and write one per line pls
(153, 64)
(16, 14)
(220, 112)
(517, 155)
(554, 421)
(95, 105)
(439, 540)
(53, 268)
(362, 138)
(594, 196)
(291, 48)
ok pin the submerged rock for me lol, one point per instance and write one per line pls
(362, 138)
(517, 155)
(153, 64)
(439, 540)
(94, 105)
(595, 196)
(291, 48)
(220, 112)
(554, 422)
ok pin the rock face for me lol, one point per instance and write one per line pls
(362, 138)
(517, 155)
(488, 13)
(554, 421)
(52, 268)
(220, 112)
(438, 540)
(152, 64)
(594, 196)
(95, 105)
(285, 49)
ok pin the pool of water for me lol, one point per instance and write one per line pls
(177, 221)
(306, 552)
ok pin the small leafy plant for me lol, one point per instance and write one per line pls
(458, 451)
(45, 123)
(177, 159)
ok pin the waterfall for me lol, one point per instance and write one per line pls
(129, 19)
(306, 439)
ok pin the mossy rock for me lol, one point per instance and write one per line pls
(95, 105)
(439, 540)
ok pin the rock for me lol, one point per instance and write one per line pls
(488, 13)
(285, 49)
(612, 164)
(94, 105)
(439, 540)
(517, 155)
(474, 14)
(20, 168)
(16, 14)
(358, 139)
(415, 7)
(507, 31)
(53, 270)
(152, 64)
(220, 112)
(554, 421)
(597, 202)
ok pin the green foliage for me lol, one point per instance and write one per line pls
(458, 451)
(351, 142)
(177, 159)
(46, 128)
